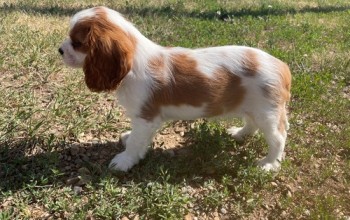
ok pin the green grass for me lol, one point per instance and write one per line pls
(56, 136)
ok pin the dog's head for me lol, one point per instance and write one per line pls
(100, 46)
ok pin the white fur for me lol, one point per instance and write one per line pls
(183, 112)
(87, 13)
(71, 57)
(256, 109)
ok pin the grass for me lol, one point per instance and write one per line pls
(56, 137)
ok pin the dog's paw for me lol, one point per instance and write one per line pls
(267, 166)
(123, 162)
(123, 137)
(236, 133)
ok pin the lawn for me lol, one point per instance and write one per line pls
(57, 138)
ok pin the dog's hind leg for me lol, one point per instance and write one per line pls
(274, 127)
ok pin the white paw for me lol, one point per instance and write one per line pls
(236, 133)
(124, 136)
(123, 162)
(266, 165)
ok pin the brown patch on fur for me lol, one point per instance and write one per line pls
(286, 79)
(279, 93)
(78, 35)
(282, 120)
(250, 64)
(227, 92)
(109, 51)
(156, 65)
(188, 86)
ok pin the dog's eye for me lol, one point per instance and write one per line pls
(76, 44)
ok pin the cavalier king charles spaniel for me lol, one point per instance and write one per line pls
(155, 84)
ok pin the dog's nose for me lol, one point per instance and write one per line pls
(60, 51)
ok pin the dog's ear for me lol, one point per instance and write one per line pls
(110, 55)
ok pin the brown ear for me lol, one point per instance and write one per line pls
(110, 55)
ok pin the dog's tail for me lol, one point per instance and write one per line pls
(286, 80)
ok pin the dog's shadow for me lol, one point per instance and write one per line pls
(206, 152)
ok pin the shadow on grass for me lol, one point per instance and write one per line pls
(54, 10)
(171, 11)
(208, 153)
(29, 162)
(223, 14)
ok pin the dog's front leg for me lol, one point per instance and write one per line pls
(136, 143)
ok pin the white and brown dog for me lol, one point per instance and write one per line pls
(156, 84)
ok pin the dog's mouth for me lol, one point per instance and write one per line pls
(71, 62)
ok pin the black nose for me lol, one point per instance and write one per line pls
(60, 51)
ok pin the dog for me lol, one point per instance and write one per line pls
(155, 83)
